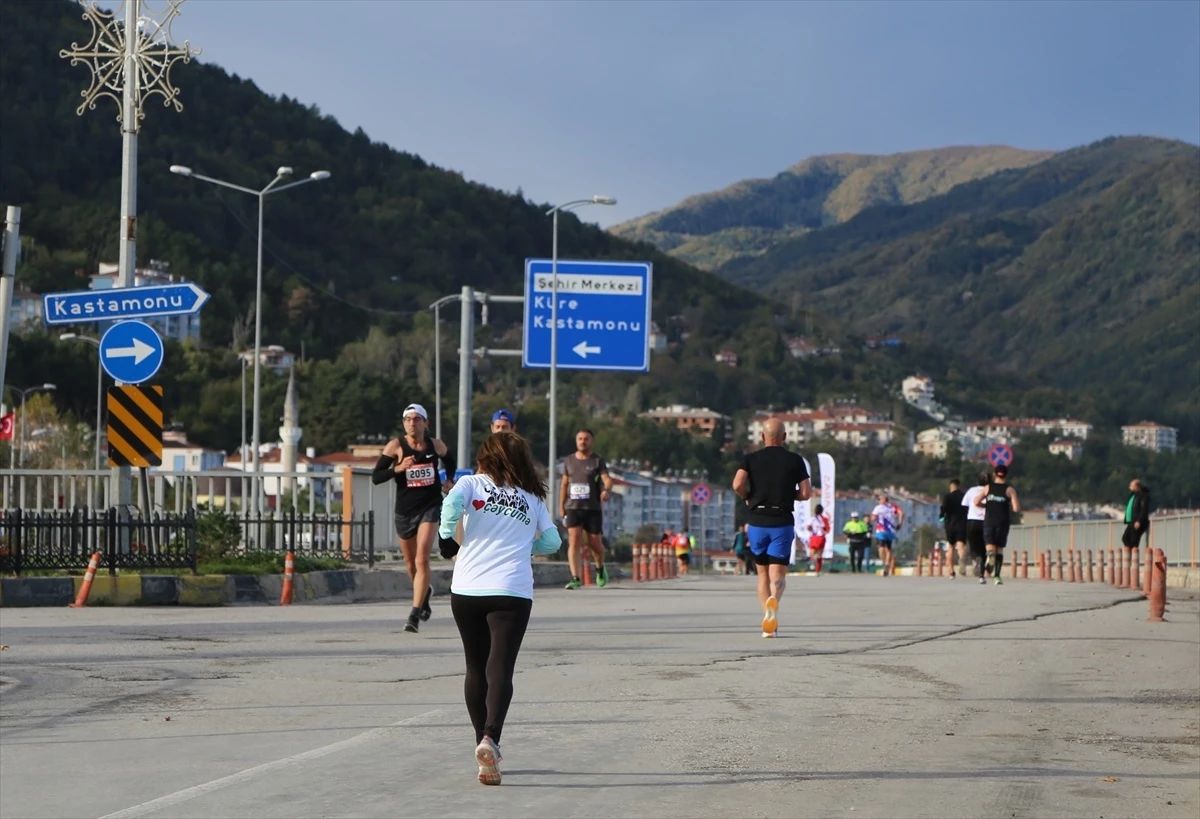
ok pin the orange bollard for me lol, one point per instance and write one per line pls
(1070, 565)
(1158, 587)
(639, 562)
(86, 586)
(289, 567)
(920, 565)
(1148, 582)
(1043, 574)
(1012, 567)
(1123, 569)
(587, 568)
(653, 558)
(1091, 569)
(1112, 568)
(1024, 565)
(1135, 562)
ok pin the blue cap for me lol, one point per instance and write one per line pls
(504, 415)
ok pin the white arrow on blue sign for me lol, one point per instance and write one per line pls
(603, 314)
(181, 299)
(131, 352)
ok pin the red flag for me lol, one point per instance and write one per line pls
(8, 423)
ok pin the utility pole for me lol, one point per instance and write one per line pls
(12, 237)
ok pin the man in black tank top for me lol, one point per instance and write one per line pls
(411, 461)
(999, 502)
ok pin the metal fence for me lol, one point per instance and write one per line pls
(46, 541)
(1176, 535)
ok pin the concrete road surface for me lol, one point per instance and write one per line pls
(883, 697)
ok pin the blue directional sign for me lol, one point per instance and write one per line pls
(1000, 455)
(131, 352)
(181, 299)
(603, 314)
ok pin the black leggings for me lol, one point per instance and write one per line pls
(492, 629)
(857, 553)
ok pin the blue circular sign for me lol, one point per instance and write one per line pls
(131, 352)
(1000, 455)
(701, 494)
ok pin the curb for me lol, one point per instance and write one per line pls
(340, 586)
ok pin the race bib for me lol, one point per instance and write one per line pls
(417, 476)
(579, 491)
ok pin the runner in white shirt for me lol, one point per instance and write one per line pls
(975, 542)
(504, 522)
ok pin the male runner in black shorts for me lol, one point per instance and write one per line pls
(585, 487)
(411, 461)
(954, 517)
(999, 502)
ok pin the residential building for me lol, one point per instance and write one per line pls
(1064, 427)
(273, 357)
(644, 498)
(1071, 447)
(917, 389)
(181, 455)
(179, 328)
(26, 308)
(843, 421)
(1149, 435)
(934, 443)
(271, 461)
(700, 420)
(658, 339)
(802, 348)
(860, 435)
(1004, 430)
(797, 425)
(727, 357)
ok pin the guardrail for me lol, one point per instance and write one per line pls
(1177, 535)
(47, 541)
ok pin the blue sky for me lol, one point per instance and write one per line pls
(653, 101)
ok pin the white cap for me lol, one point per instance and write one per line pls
(416, 409)
(854, 514)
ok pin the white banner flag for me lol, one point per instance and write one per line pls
(801, 512)
(828, 496)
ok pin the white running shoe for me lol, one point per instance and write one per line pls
(487, 754)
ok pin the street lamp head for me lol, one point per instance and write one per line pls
(317, 176)
(284, 170)
(182, 170)
(604, 200)
(49, 387)
(67, 336)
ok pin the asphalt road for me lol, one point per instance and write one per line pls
(882, 697)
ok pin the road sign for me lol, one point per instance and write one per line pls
(180, 299)
(603, 314)
(135, 422)
(1000, 455)
(701, 494)
(131, 352)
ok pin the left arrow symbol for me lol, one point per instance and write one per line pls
(137, 352)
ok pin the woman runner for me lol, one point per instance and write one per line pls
(505, 521)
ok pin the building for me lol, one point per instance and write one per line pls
(727, 357)
(802, 348)
(797, 425)
(644, 498)
(271, 464)
(1071, 447)
(181, 455)
(1004, 430)
(861, 435)
(273, 357)
(26, 308)
(1149, 435)
(843, 421)
(1064, 427)
(917, 389)
(700, 420)
(179, 328)
(658, 339)
(934, 443)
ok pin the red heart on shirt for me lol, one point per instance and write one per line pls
(478, 504)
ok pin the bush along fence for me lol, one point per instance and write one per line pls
(65, 541)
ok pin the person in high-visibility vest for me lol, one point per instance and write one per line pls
(858, 534)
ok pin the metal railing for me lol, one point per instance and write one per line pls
(1176, 535)
(49, 540)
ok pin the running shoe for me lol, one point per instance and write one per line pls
(575, 583)
(414, 622)
(487, 754)
(770, 623)
(601, 575)
(982, 581)
(770, 633)
(999, 582)
(426, 611)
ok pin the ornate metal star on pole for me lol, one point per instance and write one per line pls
(110, 57)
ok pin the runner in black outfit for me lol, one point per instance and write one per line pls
(998, 502)
(411, 461)
(954, 516)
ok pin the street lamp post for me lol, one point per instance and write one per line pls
(23, 393)
(95, 342)
(554, 211)
(281, 173)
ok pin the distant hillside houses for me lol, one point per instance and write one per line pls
(699, 420)
(849, 424)
(1149, 435)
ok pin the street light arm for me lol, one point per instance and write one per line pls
(223, 184)
(574, 203)
(297, 183)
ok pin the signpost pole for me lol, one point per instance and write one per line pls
(466, 350)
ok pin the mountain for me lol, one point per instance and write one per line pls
(1081, 272)
(749, 217)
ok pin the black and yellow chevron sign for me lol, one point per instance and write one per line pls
(135, 425)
